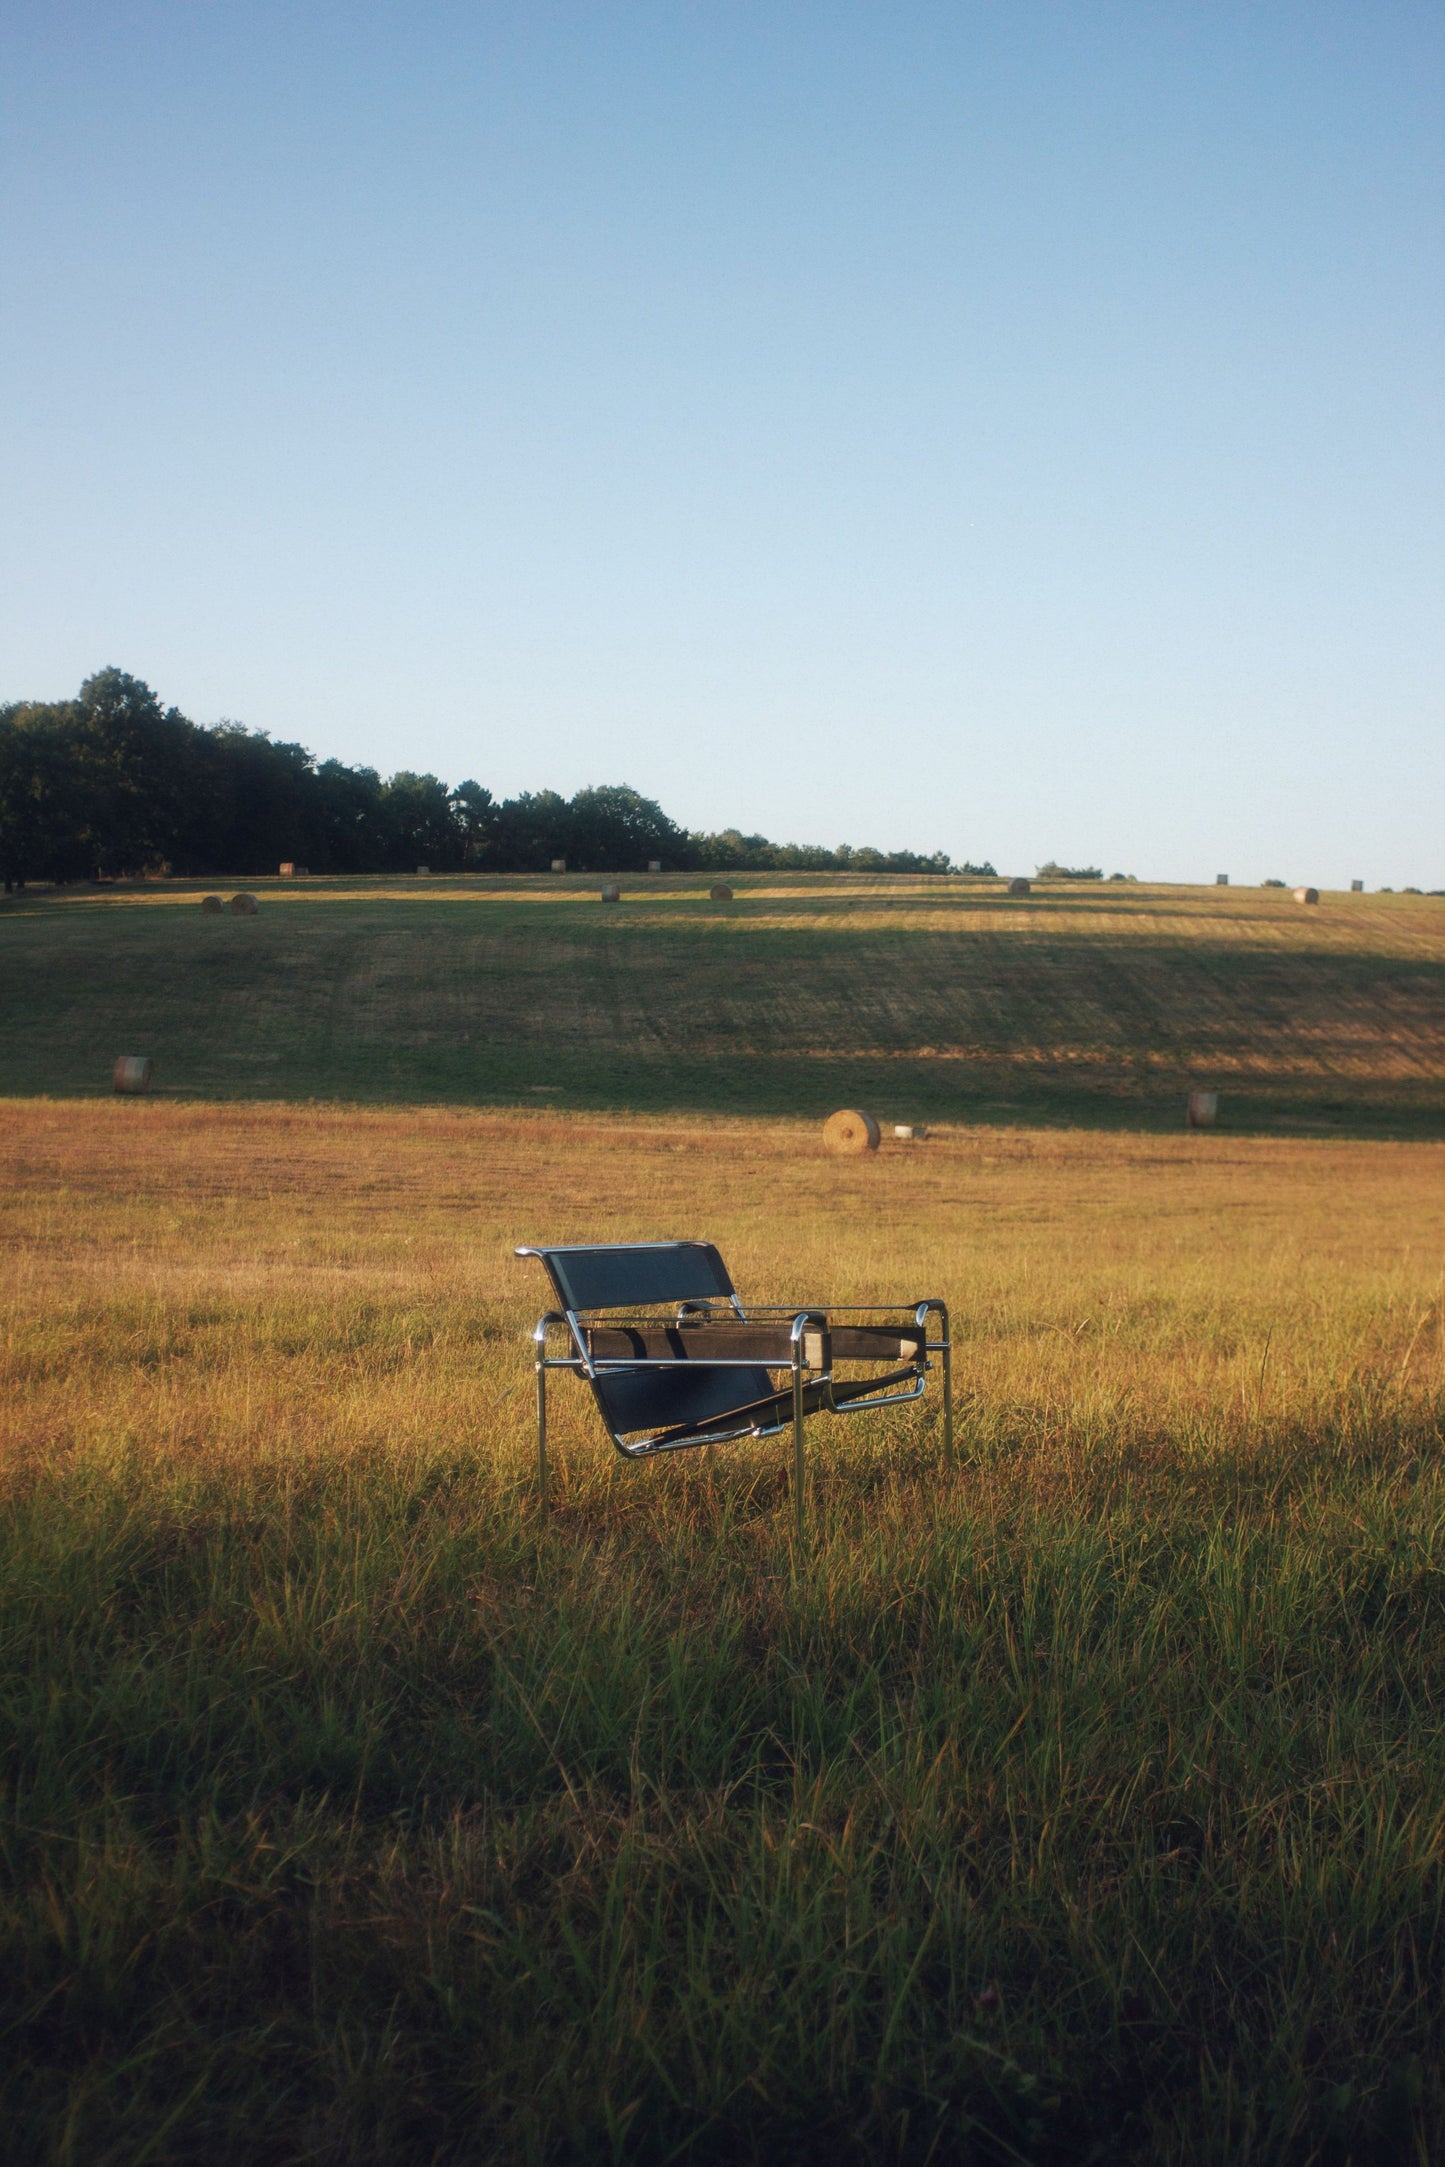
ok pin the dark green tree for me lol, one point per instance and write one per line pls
(474, 816)
(531, 830)
(137, 761)
(250, 802)
(45, 808)
(348, 833)
(111, 782)
(614, 829)
(416, 812)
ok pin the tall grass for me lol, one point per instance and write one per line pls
(1086, 1804)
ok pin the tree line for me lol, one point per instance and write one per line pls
(112, 783)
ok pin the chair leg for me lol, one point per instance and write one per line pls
(944, 1346)
(542, 1436)
(799, 1498)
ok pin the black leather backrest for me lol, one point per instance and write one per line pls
(635, 1275)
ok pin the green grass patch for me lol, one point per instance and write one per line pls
(934, 1001)
(1089, 1805)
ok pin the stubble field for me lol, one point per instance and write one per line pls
(931, 1000)
(1086, 1802)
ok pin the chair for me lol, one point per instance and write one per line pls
(674, 1360)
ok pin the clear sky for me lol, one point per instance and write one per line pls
(1006, 426)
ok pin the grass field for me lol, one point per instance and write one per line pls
(937, 1000)
(1085, 1804)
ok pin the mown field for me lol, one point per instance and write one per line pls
(937, 1000)
(1084, 1803)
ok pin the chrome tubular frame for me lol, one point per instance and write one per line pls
(944, 1348)
(544, 1363)
(921, 1313)
(806, 1320)
(800, 1322)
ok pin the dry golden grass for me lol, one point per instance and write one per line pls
(209, 1278)
(1089, 1803)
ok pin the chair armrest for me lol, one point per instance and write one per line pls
(769, 1345)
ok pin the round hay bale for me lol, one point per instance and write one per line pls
(909, 1132)
(212, 905)
(720, 892)
(850, 1132)
(1307, 895)
(559, 865)
(132, 1073)
(1201, 1109)
(1020, 887)
(612, 893)
(654, 865)
(244, 905)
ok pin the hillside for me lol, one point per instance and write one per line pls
(940, 1000)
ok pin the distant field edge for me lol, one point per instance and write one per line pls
(976, 1124)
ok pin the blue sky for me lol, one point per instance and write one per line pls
(1010, 428)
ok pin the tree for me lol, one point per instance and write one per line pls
(44, 808)
(613, 829)
(135, 757)
(531, 830)
(474, 817)
(416, 811)
(347, 834)
(252, 802)
(113, 782)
